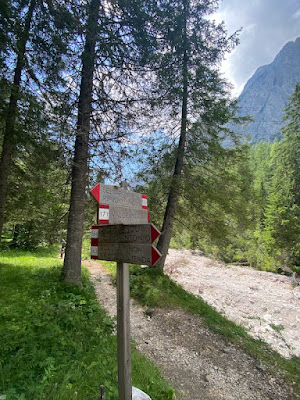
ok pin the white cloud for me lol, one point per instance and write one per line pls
(296, 15)
(267, 26)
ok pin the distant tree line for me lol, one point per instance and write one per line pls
(243, 204)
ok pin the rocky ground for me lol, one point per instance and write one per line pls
(266, 304)
(199, 364)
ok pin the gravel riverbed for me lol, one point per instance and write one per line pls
(266, 304)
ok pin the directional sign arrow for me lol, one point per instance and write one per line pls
(139, 234)
(154, 232)
(96, 192)
(143, 254)
(155, 256)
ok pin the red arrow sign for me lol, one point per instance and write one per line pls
(155, 255)
(96, 192)
(154, 232)
(118, 196)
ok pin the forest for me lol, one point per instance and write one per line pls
(131, 90)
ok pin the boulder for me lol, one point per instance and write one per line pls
(137, 394)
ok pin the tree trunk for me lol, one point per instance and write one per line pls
(72, 263)
(9, 140)
(168, 222)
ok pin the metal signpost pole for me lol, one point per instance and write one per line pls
(123, 332)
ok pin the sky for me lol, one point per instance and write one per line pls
(267, 26)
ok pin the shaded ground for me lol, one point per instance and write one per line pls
(196, 362)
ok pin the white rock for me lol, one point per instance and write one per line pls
(137, 394)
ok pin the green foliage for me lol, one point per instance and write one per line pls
(188, 37)
(277, 328)
(193, 95)
(241, 204)
(217, 198)
(27, 120)
(277, 183)
(282, 220)
(37, 204)
(57, 342)
(216, 204)
(47, 38)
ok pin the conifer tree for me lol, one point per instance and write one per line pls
(37, 34)
(191, 47)
(116, 44)
(282, 219)
(9, 134)
(72, 262)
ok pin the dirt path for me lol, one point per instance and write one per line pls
(196, 362)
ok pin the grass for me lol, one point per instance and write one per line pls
(86, 246)
(153, 289)
(56, 341)
(277, 328)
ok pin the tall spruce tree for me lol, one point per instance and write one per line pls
(190, 48)
(116, 43)
(5, 26)
(9, 133)
(282, 216)
(36, 45)
(72, 262)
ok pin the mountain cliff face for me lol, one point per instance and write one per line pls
(267, 93)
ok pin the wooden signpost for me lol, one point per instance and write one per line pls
(123, 234)
(118, 196)
(144, 233)
(108, 243)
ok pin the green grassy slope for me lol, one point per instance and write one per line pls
(56, 341)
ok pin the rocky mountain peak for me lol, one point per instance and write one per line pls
(267, 93)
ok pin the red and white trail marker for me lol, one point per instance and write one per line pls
(112, 215)
(94, 242)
